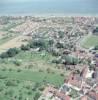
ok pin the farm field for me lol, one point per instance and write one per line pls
(27, 75)
(31, 61)
(7, 36)
(11, 42)
(90, 41)
(13, 83)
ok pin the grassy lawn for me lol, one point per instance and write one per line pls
(90, 41)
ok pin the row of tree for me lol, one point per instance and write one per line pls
(10, 53)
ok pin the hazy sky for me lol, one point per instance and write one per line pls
(63, 6)
(73, 1)
(23, 0)
(40, 0)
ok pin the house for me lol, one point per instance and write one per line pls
(95, 57)
(95, 75)
(51, 93)
(65, 89)
(84, 72)
(93, 95)
(84, 98)
(80, 54)
(77, 80)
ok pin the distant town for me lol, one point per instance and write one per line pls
(48, 58)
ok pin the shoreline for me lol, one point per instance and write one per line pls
(51, 15)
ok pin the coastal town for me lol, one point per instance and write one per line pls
(48, 58)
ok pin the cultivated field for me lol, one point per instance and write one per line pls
(90, 41)
(16, 41)
(26, 74)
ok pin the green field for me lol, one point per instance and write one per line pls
(17, 81)
(26, 75)
(14, 83)
(89, 41)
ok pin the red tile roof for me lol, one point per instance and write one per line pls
(84, 98)
(56, 93)
(93, 95)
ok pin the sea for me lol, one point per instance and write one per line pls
(49, 7)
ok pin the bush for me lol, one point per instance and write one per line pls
(30, 66)
(40, 70)
(75, 61)
(48, 70)
(73, 93)
(4, 69)
(35, 86)
(29, 92)
(56, 61)
(96, 47)
(25, 47)
(19, 70)
(9, 92)
(17, 63)
(2, 77)
(4, 55)
(37, 95)
(50, 42)
(20, 97)
(70, 60)
(61, 34)
(10, 69)
(28, 87)
(11, 83)
(54, 52)
(1, 89)
(62, 74)
(41, 88)
(59, 45)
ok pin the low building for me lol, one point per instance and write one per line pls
(51, 93)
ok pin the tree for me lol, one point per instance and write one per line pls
(74, 61)
(10, 53)
(96, 47)
(39, 43)
(50, 42)
(17, 63)
(59, 45)
(25, 47)
(61, 34)
(54, 52)
(11, 83)
(37, 95)
(70, 59)
(9, 92)
(4, 55)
